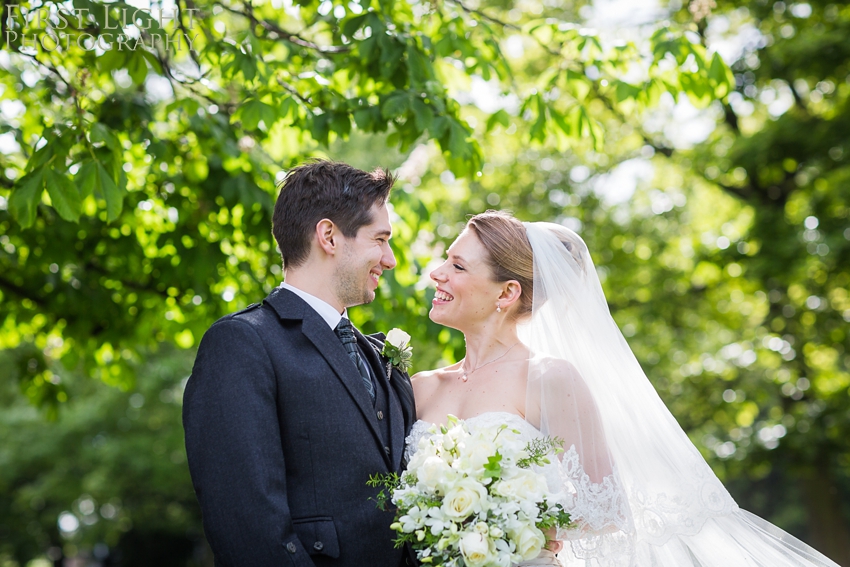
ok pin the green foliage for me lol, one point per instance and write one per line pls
(539, 450)
(113, 461)
(387, 482)
(155, 165)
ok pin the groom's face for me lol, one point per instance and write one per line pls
(363, 258)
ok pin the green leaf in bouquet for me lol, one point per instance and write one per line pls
(493, 468)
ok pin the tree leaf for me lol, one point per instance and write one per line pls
(422, 115)
(720, 76)
(86, 179)
(63, 194)
(538, 128)
(498, 117)
(41, 156)
(253, 111)
(111, 60)
(100, 133)
(438, 128)
(137, 67)
(625, 91)
(113, 196)
(396, 105)
(350, 27)
(24, 199)
(365, 119)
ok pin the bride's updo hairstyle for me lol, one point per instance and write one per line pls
(508, 252)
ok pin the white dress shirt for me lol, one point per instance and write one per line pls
(325, 310)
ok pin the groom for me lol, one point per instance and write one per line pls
(289, 408)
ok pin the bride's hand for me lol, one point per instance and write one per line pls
(552, 544)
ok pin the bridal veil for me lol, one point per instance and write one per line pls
(641, 493)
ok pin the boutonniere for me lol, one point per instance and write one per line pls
(398, 350)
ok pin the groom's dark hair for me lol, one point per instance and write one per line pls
(322, 189)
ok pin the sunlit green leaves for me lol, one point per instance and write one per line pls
(252, 112)
(25, 198)
(64, 195)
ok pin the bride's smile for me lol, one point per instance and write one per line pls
(467, 296)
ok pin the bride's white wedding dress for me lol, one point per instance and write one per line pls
(600, 511)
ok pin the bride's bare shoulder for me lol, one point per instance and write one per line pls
(426, 377)
(553, 367)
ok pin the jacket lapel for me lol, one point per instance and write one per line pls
(290, 306)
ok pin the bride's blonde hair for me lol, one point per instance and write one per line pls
(508, 252)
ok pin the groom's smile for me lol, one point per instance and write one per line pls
(364, 259)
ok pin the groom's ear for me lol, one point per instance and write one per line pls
(511, 292)
(327, 235)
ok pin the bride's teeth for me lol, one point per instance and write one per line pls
(442, 296)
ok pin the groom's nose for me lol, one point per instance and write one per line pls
(388, 259)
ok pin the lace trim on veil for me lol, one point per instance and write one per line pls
(602, 523)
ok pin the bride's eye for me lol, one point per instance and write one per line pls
(458, 267)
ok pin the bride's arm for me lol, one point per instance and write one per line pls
(560, 404)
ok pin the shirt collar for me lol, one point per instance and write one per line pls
(320, 306)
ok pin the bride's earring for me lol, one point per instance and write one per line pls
(498, 308)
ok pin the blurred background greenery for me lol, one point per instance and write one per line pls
(719, 221)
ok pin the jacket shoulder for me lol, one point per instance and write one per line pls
(254, 315)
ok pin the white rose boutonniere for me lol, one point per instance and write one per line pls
(398, 350)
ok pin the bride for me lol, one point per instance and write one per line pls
(544, 356)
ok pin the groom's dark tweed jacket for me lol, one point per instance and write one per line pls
(282, 436)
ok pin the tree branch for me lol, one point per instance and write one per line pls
(484, 16)
(731, 118)
(21, 292)
(183, 29)
(281, 33)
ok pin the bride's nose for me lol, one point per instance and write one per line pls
(437, 274)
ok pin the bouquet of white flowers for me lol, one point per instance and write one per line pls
(471, 499)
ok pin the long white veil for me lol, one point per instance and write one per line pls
(640, 492)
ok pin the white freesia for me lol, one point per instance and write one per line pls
(398, 338)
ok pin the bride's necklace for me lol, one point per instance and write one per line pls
(465, 376)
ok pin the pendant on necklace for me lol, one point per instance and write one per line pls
(464, 377)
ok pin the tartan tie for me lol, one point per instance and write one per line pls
(345, 332)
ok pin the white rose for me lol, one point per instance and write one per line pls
(529, 542)
(398, 338)
(474, 454)
(463, 499)
(434, 474)
(526, 485)
(475, 549)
